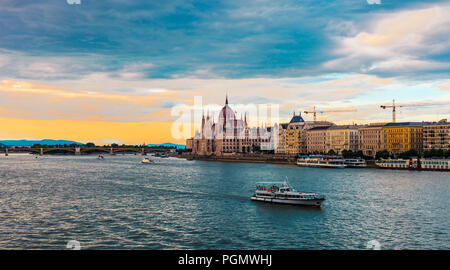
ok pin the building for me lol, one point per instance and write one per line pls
(316, 139)
(229, 135)
(281, 139)
(293, 135)
(436, 135)
(402, 137)
(189, 143)
(370, 138)
(342, 137)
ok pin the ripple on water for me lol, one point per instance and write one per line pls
(119, 203)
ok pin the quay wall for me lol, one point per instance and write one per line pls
(246, 158)
(274, 159)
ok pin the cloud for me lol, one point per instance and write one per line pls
(445, 86)
(100, 96)
(397, 43)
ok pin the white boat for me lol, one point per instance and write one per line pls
(100, 157)
(146, 161)
(321, 161)
(355, 163)
(282, 192)
(415, 164)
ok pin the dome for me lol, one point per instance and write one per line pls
(296, 119)
(226, 114)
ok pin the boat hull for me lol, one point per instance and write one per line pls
(413, 169)
(309, 202)
(321, 166)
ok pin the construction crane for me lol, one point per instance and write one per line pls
(315, 112)
(394, 107)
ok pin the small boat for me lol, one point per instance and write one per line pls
(100, 157)
(282, 192)
(146, 161)
(321, 161)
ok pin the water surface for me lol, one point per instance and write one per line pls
(119, 203)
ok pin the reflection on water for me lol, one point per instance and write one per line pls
(178, 204)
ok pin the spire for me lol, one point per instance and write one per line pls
(226, 100)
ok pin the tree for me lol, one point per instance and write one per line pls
(90, 144)
(409, 154)
(347, 154)
(359, 154)
(382, 154)
(114, 145)
(447, 154)
(331, 152)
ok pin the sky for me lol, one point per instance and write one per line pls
(114, 70)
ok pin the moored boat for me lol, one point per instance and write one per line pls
(282, 192)
(355, 163)
(415, 164)
(321, 161)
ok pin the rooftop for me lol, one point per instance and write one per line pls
(402, 124)
(319, 128)
(344, 127)
(296, 119)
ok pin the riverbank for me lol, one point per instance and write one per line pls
(262, 158)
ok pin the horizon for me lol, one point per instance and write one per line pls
(112, 72)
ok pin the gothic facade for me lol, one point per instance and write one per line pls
(230, 135)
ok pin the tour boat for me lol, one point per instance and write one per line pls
(146, 161)
(355, 163)
(321, 161)
(415, 164)
(282, 192)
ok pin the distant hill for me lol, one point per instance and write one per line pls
(178, 146)
(32, 142)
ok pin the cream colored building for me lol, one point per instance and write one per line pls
(281, 139)
(343, 137)
(436, 135)
(293, 135)
(370, 138)
(316, 139)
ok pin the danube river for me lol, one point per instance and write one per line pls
(119, 203)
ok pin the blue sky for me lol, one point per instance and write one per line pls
(299, 54)
(232, 39)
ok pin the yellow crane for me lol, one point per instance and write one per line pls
(315, 112)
